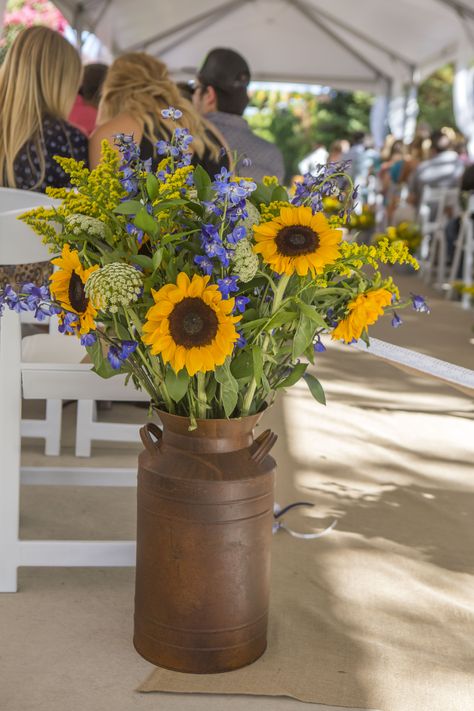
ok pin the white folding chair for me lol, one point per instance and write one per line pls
(13, 203)
(30, 369)
(88, 429)
(464, 250)
(437, 206)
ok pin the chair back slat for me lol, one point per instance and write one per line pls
(19, 244)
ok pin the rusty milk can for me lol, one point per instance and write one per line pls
(205, 513)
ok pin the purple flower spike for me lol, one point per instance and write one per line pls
(319, 346)
(396, 321)
(419, 304)
(227, 286)
(88, 339)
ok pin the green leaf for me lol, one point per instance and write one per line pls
(280, 318)
(279, 194)
(145, 222)
(229, 388)
(303, 337)
(263, 193)
(152, 186)
(242, 365)
(297, 372)
(142, 260)
(128, 207)
(157, 257)
(315, 388)
(167, 204)
(257, 358)
(121, 331)
(202, 181)
(101, 365)
(136, 320)
(312, 314)
(177, 384)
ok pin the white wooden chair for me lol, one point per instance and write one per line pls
(36, 374)
(464, 250)
(14, 203)
(437, 206)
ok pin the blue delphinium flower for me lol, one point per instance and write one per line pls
(13, 300)
(88, 339)
(241, 302)
(69, 323)
(204, 263)
(119, 353)
(419, 304)
(134, 232)
(215, 248)
(396, 320)
(241, 342)
(237, 234)
(171, 113)
(319, 346)
(227, 285)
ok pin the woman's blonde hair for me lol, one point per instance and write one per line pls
(139, 84)
(40, 77)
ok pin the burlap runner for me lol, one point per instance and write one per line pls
(380, 613)
(359, 622)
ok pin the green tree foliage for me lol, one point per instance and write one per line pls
(298, 122)
(435, 98)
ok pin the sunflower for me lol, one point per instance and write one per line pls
(297, 241)
(67, 287)
(191, 325)
(363, 311)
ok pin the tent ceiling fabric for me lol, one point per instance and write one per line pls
(345, 44)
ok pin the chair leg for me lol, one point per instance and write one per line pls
(53, 425)
(86, 414)
(10, 442)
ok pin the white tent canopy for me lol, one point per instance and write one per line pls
(347, 44)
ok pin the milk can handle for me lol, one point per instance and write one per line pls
(264, 443)
(152, 446)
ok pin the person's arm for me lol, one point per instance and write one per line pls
(124, 123)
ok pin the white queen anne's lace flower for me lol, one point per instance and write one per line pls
(78, 225)
(114, 285)
(245, 261)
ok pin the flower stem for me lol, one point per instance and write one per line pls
(278, 297)
(201, 394)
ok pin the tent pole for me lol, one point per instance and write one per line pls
(306, 12)
(458, 7)
(410, 88)
(78, 25)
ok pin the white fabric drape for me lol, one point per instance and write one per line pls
(463, 96)
(403, 112)
(379, 120)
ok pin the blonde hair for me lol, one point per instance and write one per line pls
(139, 84)
(40, 77)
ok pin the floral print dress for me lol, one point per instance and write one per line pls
(59, 139)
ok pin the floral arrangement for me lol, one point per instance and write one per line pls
(26, 13)
(363, 221)
(409, 233)
(210, 293)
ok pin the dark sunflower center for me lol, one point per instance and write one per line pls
(296, 240)
(193, 323)
(77, 294)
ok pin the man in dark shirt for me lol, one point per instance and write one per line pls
(221, 95)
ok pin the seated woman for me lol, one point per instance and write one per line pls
(136, 90)
(39, 80)
(38, 84)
